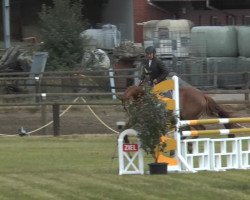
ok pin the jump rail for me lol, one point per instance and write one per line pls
(215, 132)
(214, 121)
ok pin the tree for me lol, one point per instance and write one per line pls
(150, 118)
(61, 26)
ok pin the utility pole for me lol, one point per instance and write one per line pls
(6, 23)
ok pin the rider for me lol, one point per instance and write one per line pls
(154, 70)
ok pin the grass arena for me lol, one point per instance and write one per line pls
(83, 164)
(81, 167)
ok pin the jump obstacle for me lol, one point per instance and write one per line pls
(207, 154)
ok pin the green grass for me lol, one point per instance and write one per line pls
(80, 167)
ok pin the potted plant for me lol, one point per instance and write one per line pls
(149, 117)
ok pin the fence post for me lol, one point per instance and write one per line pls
(247, 94)
(136, 78)
(112, 82)
(247, 85)
(56, 119)
(44, 117)
(44, 113)
(215, 79)
(37, 85)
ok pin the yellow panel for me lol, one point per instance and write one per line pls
(164, 159)
(163, 86)
(171, 143)
(170, 103)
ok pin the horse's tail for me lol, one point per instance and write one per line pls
(213, 109)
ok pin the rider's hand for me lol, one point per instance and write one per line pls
(155, 81)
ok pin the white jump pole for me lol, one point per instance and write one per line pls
(112, 83)
(176, 97)
(214, 121)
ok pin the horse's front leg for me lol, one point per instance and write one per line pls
(127, 126)
(126, 140)
(190, 144)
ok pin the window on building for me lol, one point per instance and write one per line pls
(163, 33)
(174, 45)
(246, 20)
(184, 41)
(231, 20)
(214, 21)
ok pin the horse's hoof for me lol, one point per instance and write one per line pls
(231, 136)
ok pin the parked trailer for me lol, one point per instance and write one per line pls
(169, 37)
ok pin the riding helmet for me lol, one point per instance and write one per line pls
(150, 49)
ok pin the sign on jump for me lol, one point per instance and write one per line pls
(130, 155)
(130, 147)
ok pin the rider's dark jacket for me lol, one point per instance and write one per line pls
(157, 70)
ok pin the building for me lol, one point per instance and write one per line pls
(200, 12)
(127, 14)
(208, 12)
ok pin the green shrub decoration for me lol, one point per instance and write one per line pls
(149, 117)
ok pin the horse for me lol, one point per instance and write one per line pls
(193, 105)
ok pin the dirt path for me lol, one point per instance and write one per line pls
(79, 119)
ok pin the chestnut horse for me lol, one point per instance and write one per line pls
(193, 104)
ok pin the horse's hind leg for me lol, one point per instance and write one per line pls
(213, 109)
(230, 126)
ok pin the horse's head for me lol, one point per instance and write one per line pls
(134, 92)
(131, 94)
